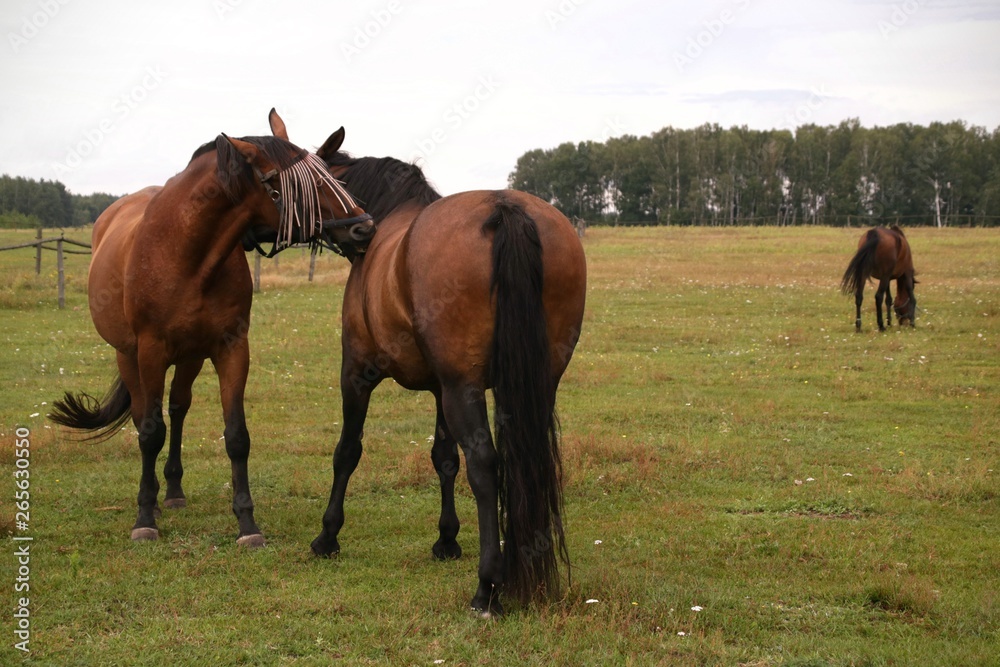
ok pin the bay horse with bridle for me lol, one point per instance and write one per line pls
(169, 285)
(883, 255)
(458, 295)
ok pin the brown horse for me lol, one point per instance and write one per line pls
(883, 254)
(456, 295)
(169, 285)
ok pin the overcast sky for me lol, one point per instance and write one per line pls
(114, 95)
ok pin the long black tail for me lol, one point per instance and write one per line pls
(102, 417)
(860, 268)
(525, 423)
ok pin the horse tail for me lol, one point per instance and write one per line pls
(525, 421)
(102, 417)
(860, 269)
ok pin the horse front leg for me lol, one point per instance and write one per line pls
(148, 375)
(444, 455)
(180, 402)
(356, 387)
(883, 287)
(888, 302)
(465, 411)
(233, 365)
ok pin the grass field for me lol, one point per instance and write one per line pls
(748, 481)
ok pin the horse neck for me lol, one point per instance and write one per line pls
(198, 221)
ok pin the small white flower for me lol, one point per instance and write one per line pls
(847, 474)
(810, 479)
(696, 608)
(591, 601)
(597, 541)
(439, 662)
(681, 633)
(33, 414)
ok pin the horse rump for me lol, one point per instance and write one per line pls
(860, 269)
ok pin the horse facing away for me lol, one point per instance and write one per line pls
(456, 295)
(883, 254)
(169, 284)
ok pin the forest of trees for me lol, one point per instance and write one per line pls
(26, 203)
(942, 174)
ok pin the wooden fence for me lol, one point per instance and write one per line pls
(40, 244)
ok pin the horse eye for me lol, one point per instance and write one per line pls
(275, 195)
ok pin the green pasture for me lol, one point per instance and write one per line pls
(748, 481)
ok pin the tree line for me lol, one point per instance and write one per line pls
(941, 174)
(27, 203)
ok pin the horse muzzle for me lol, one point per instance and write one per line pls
(362, 232)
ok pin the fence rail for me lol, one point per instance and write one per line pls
(40, 244)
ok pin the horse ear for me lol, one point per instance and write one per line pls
(277, 125)
(332, 144)
(245, 148)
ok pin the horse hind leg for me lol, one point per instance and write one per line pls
(446, 462)
(180, 401)
(859, 298)
(465, 411)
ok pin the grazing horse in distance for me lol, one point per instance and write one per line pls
(169, 285)
(458, 295)
(883, 254)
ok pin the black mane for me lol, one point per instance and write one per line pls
(234, 173)
(382, 184)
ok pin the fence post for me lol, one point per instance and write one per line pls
(59, 269)
(256, 272)
(38, 252)
(312, 262)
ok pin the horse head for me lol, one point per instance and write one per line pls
(322, 212)
(905, 303)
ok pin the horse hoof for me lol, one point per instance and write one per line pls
(447, 551)
(145, 534)
(251, 541)
(320, 548)
(175, 503)
(494, 611)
